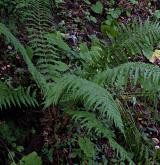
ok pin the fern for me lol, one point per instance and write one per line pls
(143, 78)
(131, 40)
(94, 97)
(88, 120)
(20, 48)
(40, 25)
(134, 72)
(138, 143)
(16, 97)
(87, 147)
(91, 123)
(134, 39)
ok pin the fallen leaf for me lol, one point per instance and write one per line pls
(155, 56)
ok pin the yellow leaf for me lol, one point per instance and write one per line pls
(155, 56)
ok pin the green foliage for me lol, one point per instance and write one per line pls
(96, 99)
(48, 152)
(8, 133)
(98, 7)
(157, 14)
(136, 72)
(56, 39)
(11, 134)
(17, 97)
(134, 1)
(134, 39)
(29, 159)
(146, 76)
(39, 23)
(6, 7)
(109, 27)
(58, 2)
(20, 48)
(90, 99)
(93, 96)
(91, 123)
(138, 143)
(87, 147)
(10, 10)
(129, 41)
(44, 43)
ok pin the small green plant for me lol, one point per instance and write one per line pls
(134, 1)
(87, 147)
(30, 159)
(58, 2)
(97, 8)
(157, 14)
(11, 136)
(48, 152)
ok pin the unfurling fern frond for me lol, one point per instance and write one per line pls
(94, 97)
(136, 72)
(16, 97)
(91, 123)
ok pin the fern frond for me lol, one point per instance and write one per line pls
(138, 143)
(88, 120)
(94, 97)
(16, 97)
(39, 23)
(91, 123)
(134, 39)
(20, 48)
(135, 72)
